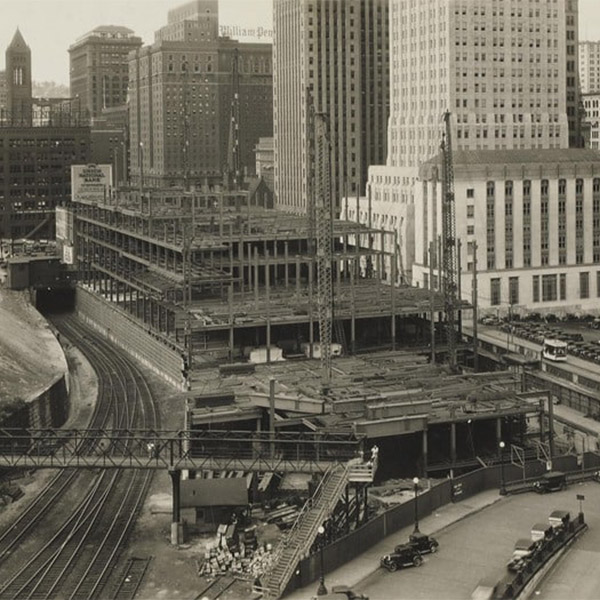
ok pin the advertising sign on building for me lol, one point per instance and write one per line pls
(64, 224)
(68, 256)
(90, 183)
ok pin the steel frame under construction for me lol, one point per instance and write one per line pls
(211, 274)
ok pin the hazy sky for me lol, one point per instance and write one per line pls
(51, 26)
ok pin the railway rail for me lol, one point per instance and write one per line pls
(79, 559)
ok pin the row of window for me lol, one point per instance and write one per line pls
(545, 288)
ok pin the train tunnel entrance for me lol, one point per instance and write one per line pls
(55, 301)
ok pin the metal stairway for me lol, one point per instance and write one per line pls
(298, 541)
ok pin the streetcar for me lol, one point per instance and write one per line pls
(555, 350)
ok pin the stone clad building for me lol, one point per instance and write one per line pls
(99, 67)
(534, 216)
(507, 72)
(181, 92)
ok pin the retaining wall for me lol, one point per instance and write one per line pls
(116, 325)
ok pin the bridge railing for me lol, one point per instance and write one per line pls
(177, 449)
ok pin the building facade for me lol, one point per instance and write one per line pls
(265, 161)
(506, 71)
(330, 56)
(591, 122)
(589, 67)
(532, 217)
(99, 67)
(194, 102)
(39, 141)
(35, 175)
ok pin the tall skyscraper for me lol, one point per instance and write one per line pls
(99, 67)
(500, 68)
(182, 89)
(330, 55)
(19, 100)
(505, 70)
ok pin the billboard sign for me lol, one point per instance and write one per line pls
(90, 183)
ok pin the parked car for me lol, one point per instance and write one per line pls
(423, 543)
(524, 550)
(559, 519)
(553, 481)
(490, 320)
(402, 556)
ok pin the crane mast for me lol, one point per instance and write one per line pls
(324, 238)
(449, 246)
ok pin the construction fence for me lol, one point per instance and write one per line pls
(444, 492)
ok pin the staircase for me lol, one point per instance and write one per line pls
(298, 541)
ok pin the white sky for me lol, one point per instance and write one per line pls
(51, 26)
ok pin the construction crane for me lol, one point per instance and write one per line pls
(185, 125)
(449, 247)
(324, 239)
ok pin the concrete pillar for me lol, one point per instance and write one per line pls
(286, 259)
(176, 530)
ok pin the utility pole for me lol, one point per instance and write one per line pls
(475, 316)
(431, 299)
(233, 149)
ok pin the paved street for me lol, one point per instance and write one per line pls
(482, 544)
(577, 575)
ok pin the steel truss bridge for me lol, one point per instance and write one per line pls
(263, 451)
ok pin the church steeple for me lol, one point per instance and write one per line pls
(19, 101)
(18, 42)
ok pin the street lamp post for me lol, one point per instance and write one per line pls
(502, 483)
(416, 483)
(322, 590)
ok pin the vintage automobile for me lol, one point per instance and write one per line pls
(402, 556)
(559, 519)
(524, 550)
(423, 543)
(553, 481)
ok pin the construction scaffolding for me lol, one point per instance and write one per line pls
(213, 275)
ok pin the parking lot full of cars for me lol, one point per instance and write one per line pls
(569, 329)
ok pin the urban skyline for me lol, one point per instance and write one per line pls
(40, 19)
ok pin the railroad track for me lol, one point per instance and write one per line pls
(131, 578)
(216, 588)
(77, 562)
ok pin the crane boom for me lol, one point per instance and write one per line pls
(449, 248)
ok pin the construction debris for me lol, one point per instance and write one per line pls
(236, 552)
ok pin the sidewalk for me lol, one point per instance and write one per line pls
(362, 566)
